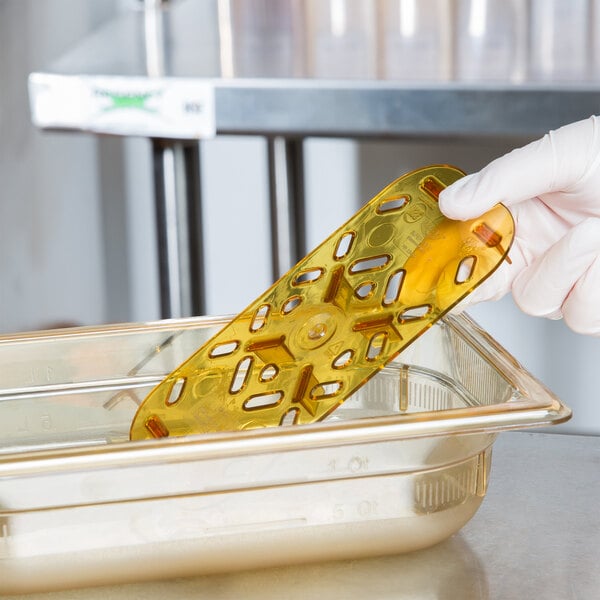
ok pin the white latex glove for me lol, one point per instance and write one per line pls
(552, 187)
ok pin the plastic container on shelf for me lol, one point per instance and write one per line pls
(415, 39)
(401, 465)
(490, 40)
(595, 39)
(261, 38)
(559, 40)
(341, 38)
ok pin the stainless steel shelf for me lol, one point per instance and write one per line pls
(181, 45)
(306, 108)
(378, 109)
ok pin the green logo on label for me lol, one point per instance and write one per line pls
(127, 100)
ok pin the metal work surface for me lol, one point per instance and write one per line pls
(537, 535)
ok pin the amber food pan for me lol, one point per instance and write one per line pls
(401, 465)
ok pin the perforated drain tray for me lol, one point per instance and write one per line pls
(326, 327)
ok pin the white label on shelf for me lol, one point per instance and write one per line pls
(149, 107)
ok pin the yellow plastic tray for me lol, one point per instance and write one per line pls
(336, 318)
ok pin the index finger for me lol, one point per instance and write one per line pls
(552, 163)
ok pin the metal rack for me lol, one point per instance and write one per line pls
(160, 68)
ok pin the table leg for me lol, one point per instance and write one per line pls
(179, 227)
(286, 198)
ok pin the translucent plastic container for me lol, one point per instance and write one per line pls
(341, 38)
(491, 40)
(595, 39)
(401, 465)
(559, 40)
(415, 39)
(262, 38)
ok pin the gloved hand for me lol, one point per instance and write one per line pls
(552, 188)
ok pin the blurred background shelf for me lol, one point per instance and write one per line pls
(262, 87)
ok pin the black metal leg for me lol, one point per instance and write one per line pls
(179, 227)
(286, 196)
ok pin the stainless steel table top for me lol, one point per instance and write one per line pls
(537, 535)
